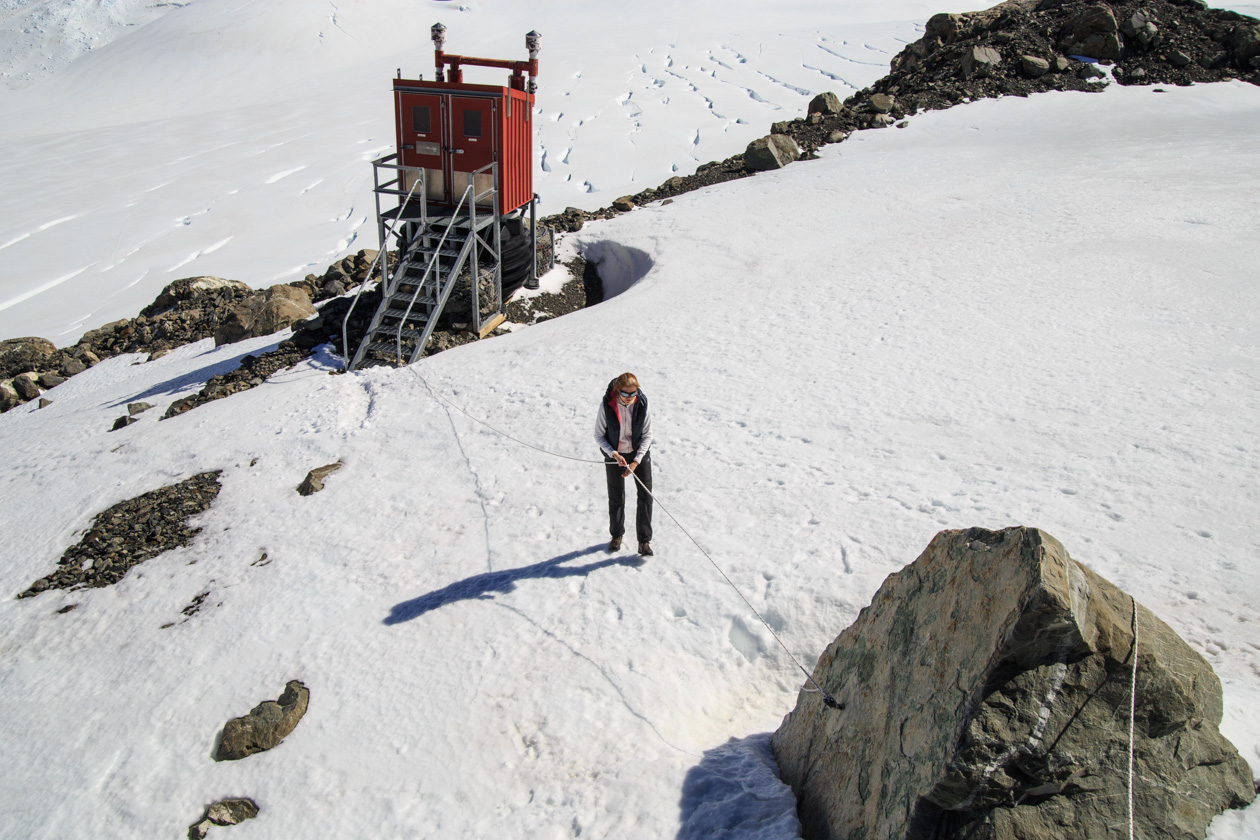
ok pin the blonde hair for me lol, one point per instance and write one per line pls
(627, 381)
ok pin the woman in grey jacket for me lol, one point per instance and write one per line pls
(623, 431)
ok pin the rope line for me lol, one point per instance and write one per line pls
(827, 698)
(1132, 712)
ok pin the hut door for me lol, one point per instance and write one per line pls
(421, 119)
(472, 144)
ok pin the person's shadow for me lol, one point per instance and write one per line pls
(482, 587)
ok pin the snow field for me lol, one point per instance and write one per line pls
(227, 138)
(1029, 311)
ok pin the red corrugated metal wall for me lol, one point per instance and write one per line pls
(516, 149)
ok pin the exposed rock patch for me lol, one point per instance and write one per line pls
(269, 723)
(1014, 49)
(131, 532)
(189, 309)
(986, 695)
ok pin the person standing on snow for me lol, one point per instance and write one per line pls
(623, 430)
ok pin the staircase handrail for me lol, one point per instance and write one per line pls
(380, 255)
(433, 260)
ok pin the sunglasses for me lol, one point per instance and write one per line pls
(628, 394)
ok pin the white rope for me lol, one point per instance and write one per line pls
(1132, 712)
(827, 698)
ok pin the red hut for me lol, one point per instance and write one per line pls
(459, 184)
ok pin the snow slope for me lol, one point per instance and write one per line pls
(232, 138)
(1024, 311)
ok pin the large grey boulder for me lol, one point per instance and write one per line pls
(18, 355)
(773, 151)
(986, 694)
(267, 725)
(264, 313)
(1092, 32)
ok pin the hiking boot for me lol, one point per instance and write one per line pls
(614, 544)
(645, 549)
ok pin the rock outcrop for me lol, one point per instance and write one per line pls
(986, 695)
(269, 723)
(131, 532)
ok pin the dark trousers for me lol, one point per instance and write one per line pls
(617, 497)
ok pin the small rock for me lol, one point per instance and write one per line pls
(881, 121)
(814, 119)
(980, 61)
(314, 481)
(827, 104)
(44, 402)
(1178, 59)
(123, 422)
(232, 811)
(73, 368)
(624, 204)
(50, 380)
(226, 812)
(137, 408)
(903, 124)
(1091, 71)
(1061, 64)
(883, 103)
(25, 384)
(9, 396)
(837, 136)
(1215, 61)
(269, 723)
(1033, 67)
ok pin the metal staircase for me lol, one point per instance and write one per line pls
(437, 253)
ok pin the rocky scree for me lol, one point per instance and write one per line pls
(189, 309)
(130, 532)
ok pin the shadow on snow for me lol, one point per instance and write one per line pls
(735, 793)
(482, 587)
